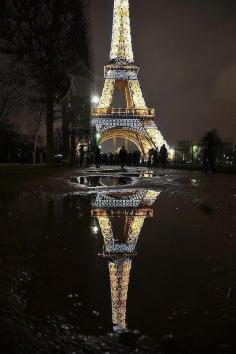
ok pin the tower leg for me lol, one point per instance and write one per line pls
(126, 144)
(114, 145)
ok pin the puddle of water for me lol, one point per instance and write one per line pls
(133, 258)
(110, 181)
(101, 181)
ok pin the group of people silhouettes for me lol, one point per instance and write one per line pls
(156, 157)
(210, 148)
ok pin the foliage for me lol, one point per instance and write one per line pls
(93, 139)
(184, 150)
(48, 37)
(11, 89)
(13, 146)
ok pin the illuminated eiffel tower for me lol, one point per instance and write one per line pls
(135, 122)
(134, 206)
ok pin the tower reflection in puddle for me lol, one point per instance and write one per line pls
(134, 206)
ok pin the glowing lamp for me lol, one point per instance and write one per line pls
(95, 100)
(95, 229)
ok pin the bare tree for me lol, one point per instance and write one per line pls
(49, 37)
(34, 129)
(11, 90)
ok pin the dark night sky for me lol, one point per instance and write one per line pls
(187, 53)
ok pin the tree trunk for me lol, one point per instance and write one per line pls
(49, 124)
(73, 149)
(35, 148)
(8, 154)
(66, 135)
(37, 130)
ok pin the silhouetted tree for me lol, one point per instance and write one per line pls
(8, 140)
(49, 37)
(58, 141)
(93, 138)
(34, 129)
(184, 150)
(76, 107)
(11, 89)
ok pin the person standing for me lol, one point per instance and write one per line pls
(211, 146)
(111, 159)
(98, 157)
(163, 155)
(155, 157)
(123, 156)
(150, 156)
(81, 155)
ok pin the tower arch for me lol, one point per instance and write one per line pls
(139, 139)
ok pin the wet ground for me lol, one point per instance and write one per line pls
(86, 253)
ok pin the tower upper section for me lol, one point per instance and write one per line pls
(121, 45)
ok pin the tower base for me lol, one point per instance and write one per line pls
(142, 132)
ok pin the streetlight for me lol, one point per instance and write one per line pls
(95, 100)
(94, 228)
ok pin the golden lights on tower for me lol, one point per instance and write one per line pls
(122, 74)
(133, 206)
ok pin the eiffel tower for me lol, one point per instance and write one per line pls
(134, 206)
(135, 122)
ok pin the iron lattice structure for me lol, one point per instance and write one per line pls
(135, 122)
(134, 206)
